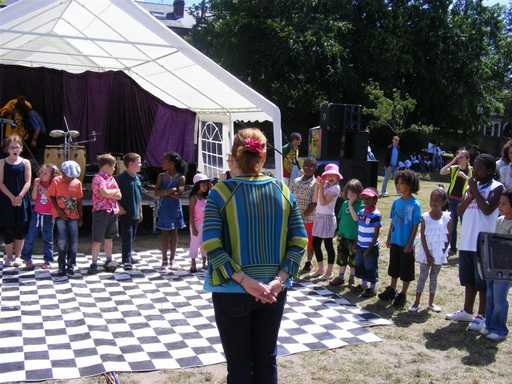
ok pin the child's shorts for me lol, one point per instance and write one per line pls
(401, 264)
(346, 254)
(468, 270)
(104, 226)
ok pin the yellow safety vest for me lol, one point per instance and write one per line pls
(454, 173)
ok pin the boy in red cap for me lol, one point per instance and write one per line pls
(369, 221)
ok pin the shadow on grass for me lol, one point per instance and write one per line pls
(481, 352)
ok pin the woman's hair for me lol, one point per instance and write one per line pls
(353, 185)
(54, 171)
(442, 195)
(465, 152)
(295, 136)
(249, 150)
(177, 160)
(508, 194)
(504, 152)
(105, 159)
(13, 139)
(409, 178)
(195, 190)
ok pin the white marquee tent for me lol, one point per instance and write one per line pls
(102, 35)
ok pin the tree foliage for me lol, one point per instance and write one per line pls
(450, 59)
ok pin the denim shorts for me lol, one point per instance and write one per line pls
(468, 270)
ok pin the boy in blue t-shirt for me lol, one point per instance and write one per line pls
(405, 218)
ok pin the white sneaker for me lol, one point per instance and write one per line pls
(460, 316)
(434, 308)
(495, 337)
(414, 308)
(484, 331)
(477, 324)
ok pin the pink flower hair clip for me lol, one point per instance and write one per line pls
(253, 145)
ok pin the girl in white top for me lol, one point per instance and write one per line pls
(326, 193)
(432, 250)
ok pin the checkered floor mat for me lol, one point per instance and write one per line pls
(60, 328)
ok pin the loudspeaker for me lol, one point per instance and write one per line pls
(364, 171)
(356, 145)
(336, 121)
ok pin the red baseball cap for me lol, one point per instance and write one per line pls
(369, 192)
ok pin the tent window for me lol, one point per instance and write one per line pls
(211, 148)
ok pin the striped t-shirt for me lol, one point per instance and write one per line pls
(367, 224)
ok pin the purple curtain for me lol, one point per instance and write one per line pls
(125, 117)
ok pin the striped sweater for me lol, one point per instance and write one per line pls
(252, 224)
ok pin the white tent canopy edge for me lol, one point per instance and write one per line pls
(99, 35)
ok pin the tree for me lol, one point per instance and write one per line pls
(391, 112)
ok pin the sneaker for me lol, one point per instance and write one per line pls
(45, 266)
(127, 267)
(93, 269)
(307, 267)
(388, 294)
(7, 262)
(414, 308)
(434, 308)
(70, 271)
(337, 281)
(495, 337)
(477, 324)
(351, 281)
(368, 292)
(164, 267)
(484, 331)
(399, 301)
(461, 315)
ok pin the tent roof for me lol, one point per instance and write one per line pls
(101, 35)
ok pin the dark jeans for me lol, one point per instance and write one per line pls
(39, 224)
(367, 267)
(452, 204)
(128, 231)
(248, 332)
(67, 242)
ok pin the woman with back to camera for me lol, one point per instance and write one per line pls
(255, 238)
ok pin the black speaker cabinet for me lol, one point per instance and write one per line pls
(340, 123)
(364, 171)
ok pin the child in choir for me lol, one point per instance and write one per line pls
(431, 252)
(15, 178)
(198, 198)
(496, 311)
(66, 195)
(369, 221)
(42, 221)
(105, 195)
(324, 226)
(303, 188)
(479, 212)
(405, 218)
(347, 232)
(169, 185)
(130, 206)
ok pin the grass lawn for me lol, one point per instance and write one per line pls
(418, 348)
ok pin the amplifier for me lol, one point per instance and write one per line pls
(495, 256)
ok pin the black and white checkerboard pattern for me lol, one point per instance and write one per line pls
(61, 328)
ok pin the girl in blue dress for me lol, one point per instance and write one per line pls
(15, 210)
(169, 185)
